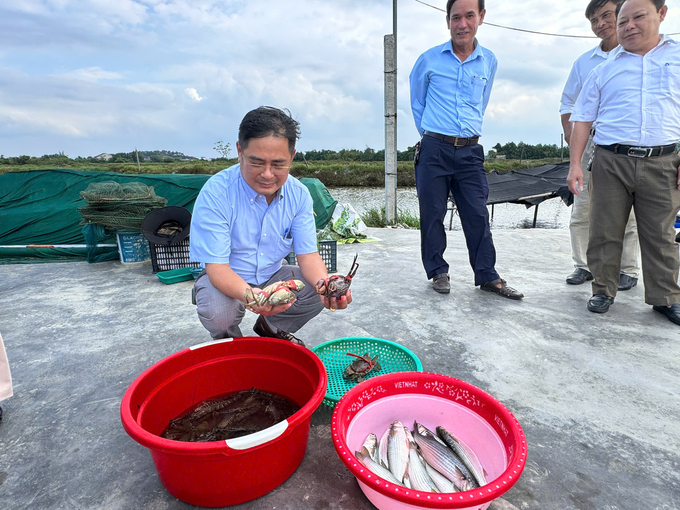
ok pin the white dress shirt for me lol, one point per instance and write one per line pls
(634, 99)
(579, 72)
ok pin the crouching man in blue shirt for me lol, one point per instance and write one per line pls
(450, 88)
(245, 221)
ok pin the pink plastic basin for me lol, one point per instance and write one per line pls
(474, 416)
(224, 473)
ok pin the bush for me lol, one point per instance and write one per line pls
(377, 218)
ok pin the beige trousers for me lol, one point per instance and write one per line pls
(579, 226)
(649, 185)
(5, 376)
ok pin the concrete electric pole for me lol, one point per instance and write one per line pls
(391, 121)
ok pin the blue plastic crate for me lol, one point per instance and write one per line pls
(132, 247)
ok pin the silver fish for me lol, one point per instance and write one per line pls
(417, 474)
(442, 483)
(371, 444)
(397, 450)
(468, 457)
(441, 457)
(375, 468)
(382, 449)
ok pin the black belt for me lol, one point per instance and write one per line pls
(639, 152)
(453, 140)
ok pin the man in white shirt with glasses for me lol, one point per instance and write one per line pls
(634, 97)
(602, 17)
(245, 221)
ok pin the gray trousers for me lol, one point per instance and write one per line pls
(221, 314)
(649, 185)
(579, 226)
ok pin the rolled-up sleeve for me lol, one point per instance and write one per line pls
(419, 81)
(588, 103)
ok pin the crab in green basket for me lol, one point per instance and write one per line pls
(361, 367)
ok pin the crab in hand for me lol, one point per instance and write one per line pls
(278, 293)
(336, 286)
(361, 367)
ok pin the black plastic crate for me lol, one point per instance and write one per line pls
(329, 254)
(173, 256)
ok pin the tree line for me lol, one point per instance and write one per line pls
(510, 150)
(522, 150)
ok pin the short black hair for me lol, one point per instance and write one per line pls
(450, 3)
(597, 4)
(268, 121)
(657, 3)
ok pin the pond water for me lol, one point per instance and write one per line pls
(552, 213)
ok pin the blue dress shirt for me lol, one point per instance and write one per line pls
(233, 224)
(449, 96)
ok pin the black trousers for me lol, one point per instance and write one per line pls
(443, 167)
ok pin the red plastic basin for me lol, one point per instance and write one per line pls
(224, 473)
(478, 419)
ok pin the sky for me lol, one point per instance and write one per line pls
(84, 77)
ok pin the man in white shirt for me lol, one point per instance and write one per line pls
(602, 17)
(635, 99)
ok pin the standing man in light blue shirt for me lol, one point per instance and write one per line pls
(635, 99)
(602, 17)
(245, 221)
(450, 89)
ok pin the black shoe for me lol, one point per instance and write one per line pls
(503, 290)
(672, 312)
(0, 413)
(579, 276)
(627, 282)
(262, 329)
(440, 283)
(600, 303)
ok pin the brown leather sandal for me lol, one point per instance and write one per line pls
(503, 290)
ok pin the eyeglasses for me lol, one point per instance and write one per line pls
(275, 167)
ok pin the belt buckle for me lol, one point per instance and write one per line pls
(640, 152)
(459, 142)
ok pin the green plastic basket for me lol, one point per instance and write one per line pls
(392, 356)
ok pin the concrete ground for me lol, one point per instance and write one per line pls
(598, 396)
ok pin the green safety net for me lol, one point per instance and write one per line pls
(39, 208)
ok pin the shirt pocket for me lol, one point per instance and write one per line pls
(670, 78)
(476, 88)
(285, 245)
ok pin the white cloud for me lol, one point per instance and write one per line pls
(193, 94)
(80, 74)
(91, 74)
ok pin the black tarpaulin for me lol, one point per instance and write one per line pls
(530, 186)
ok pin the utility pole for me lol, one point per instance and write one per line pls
(391, 121)
(562, 145)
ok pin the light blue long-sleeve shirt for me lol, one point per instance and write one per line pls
(449, 96)
(233, 224)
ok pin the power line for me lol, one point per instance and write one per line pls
(527, 31)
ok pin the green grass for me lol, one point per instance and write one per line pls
(375, 217)
(331, 173)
